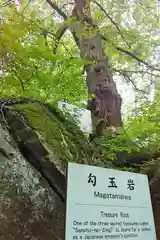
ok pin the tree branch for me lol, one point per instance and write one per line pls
(134, 71)
(137, 58)
(26, 7)
(133, 83)
(5, 3)
(131, 55)
(21, 81)
(57, 40)
(59, 34)
(57, 9)
(112, 21)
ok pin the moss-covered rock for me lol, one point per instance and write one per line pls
(29, 208)
(60, 135)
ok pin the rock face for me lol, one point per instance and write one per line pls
(35, 146)
(33, 159)
(155, 194)
(29, 208)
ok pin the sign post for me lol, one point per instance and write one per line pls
(107, 204)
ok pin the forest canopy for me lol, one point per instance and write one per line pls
(40, 58)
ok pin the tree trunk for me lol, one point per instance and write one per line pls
(104, 100)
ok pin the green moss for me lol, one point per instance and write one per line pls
(61, 136)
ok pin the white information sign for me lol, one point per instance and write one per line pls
(107, 204)
(81, 116)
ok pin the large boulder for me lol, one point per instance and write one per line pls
(29, 208)
(35, 146)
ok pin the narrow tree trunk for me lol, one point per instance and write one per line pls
(104, 100)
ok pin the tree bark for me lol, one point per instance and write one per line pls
(104, 100)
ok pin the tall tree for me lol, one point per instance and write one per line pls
(32, 64)
(104, 102)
